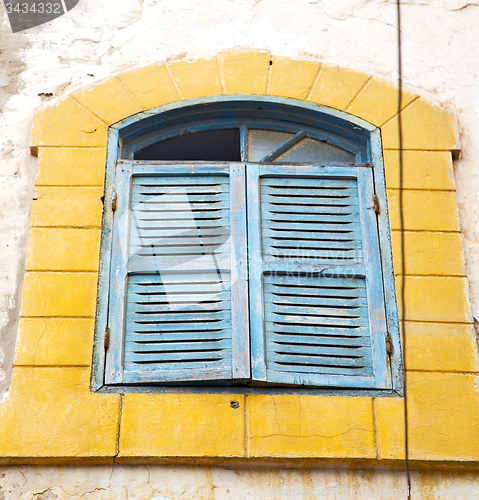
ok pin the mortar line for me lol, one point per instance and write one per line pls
(315, 82)
(360, 91)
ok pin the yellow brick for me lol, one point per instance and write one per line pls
(422, 170)
(197, 79)
(245, 72)
(435, 299)
(389, 426)
(378, 102)
(55, 341)
(74, 206)
(424, 127)
(424, 210)
(182, 425)
(430, 253)
(71, 167)
(443, 418)
(50, 412)
(59, 294)
(68, 124)
(337, 87)
(310, 426)
(290, 78)
(151, 86)
(110, 100)
(441, 347)
(55, 249)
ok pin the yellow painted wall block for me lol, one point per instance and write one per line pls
(151, 86)
(310, 426)
(430, 253)
(59, 294)
(291, 78)
(61, 249)
(435, 299)
(378, 102)
(197, 79)
(424, 127)
(55, 341)
(424, 210)
(245, 72)
(68, 124)
(337, 87)
(110, 100)
(61, 206)
(71, 166)
(182, 425)
(441, 347)
(389, 426)
(422, 169)
(50, 412)
(444, 416)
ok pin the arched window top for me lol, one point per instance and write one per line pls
(245, 249)
(245, 128)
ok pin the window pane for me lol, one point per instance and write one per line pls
(310, 150)
(262, 142)
(215, 145)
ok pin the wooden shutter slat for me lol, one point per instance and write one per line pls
(310, 200)
(149, 328)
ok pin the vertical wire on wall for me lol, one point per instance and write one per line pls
(403, 257)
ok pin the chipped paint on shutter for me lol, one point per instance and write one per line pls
(173, 239)
(316, 309)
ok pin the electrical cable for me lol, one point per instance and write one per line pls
(403, 255)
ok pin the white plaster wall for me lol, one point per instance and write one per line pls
(102, 37)
(164, 482)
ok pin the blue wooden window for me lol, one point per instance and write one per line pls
(270, 268)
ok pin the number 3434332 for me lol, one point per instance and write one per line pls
(35, 7)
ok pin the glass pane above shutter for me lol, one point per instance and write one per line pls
(311, 150)
(262, 142)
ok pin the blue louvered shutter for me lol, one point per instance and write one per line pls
(178, 290)
(316, 290)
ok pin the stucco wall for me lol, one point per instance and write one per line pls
(150, 482)
(103, 37)
(100, 38)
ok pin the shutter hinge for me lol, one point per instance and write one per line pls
(113, 202)
(376, 204)
(106, 341)
(389, 345)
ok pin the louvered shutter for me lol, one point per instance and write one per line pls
(316, 289)
(178, 293)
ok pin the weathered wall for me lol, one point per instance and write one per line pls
(99, 38)
(154, 482)
(102, 37)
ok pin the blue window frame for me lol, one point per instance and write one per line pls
(246, 242)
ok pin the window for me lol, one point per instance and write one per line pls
(242, 246)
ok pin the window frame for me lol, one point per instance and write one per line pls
(120, 138)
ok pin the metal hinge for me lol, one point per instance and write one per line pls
(106, 341)
(376, 204)
(389, 345)
(113, 202)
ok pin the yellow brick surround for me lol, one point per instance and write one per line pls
(51, 414)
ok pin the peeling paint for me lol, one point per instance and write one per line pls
(98, 39)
